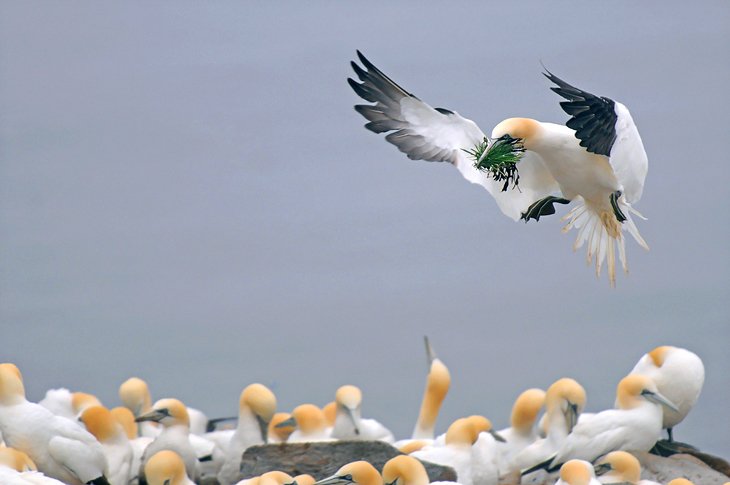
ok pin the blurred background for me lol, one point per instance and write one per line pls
(187, 195)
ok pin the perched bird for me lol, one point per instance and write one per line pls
(597, 160)
(16, 468)
(357, 472)
(257, 406)
(279, 433)
(175, 434)
(679, 375)
(310, 422)
(635, 425)
(522, 431)
(349, 425)
(165, 467)
(564, 403)
(438, 382)
(135, 396)
(577, 472)
(406, 470)
(100, 422)
(620, 467)
(60, 448)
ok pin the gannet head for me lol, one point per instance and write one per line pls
(619, 467)
(135, 395)
(307, 417)
(80, 401)
(348, 399)
(276, 478)
(484, 425)
(359, 472)
(659, 354)
(16, 459)
(465, 431)
(304, 479)
(413, 445)
(681, 481)
(633, 388)
(404, 470)
(262, 402)
(577, 472)
(438, 382)
(526, 408)
(330, 412)
(100, 422)
(167, 412)
(12, 390)
(567, 397)
(523, 129)
(281, 432)
(165, 468)
(125, 418)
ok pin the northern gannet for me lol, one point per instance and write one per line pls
(522, 432)
(349, 425)
(597, 160)
(635, 425)
(357, 472)
(59, 447)
(564, 403)
(406, 470)
(620, 467)
(135, 396)
(257, 406)
(438, 382)
(138, 443)
(310, 422)
(577, 472)
(100, 422)
(166, 467)
(175, 435)
(679, 375)
(279, 433)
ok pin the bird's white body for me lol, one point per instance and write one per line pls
(58, 401)
(247, 433)
(457, 456)
(370, 429)
(119, 455)
(678, 374)
(516, 441)
(198, 421)
(176, 438)
(138, 445)
(60, 448)
(485, 460)
(299, 436)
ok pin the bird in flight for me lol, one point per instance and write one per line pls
(596, 159)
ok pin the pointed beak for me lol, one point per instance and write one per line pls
(351, 415)
(286, 423)
(602, 468)
(333, 480)
(497, 436)
(156, 415)
(659, 399)
(264, 428)
(571, 416)
(430, 354)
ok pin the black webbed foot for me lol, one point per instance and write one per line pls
(669, 448)
(616, 209)
(542, 207)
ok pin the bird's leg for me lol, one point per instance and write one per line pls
(669, 433)
(616, 209)
(542, 207)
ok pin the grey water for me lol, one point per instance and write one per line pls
(187, 195)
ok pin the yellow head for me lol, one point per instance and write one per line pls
(524, 129)
(680, 481)
(165, 468)
(304, 479)
(125, 418)
(16, 459)
(281, 433)
(411, 446)
(330, 412)
(309, 418)
(526, 408)
(565, 396)
(81, 401)
(348, 396)
(462, 432)
(357, 472)
(437, 386)
(404, 470)
(167, 412)
(259, 399)
(100, 422)
(12, 390)
(275, 478)
(577, 472)
(619, 466)
(634, 388)
(135, 395)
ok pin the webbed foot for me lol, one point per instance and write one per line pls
(616, 209)
(542, 207)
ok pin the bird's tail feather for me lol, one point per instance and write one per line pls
(600, 229)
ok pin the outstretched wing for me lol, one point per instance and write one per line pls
(441, 135)
(605, 127)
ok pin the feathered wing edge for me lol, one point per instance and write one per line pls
(600, 229)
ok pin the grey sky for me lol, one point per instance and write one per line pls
(188, 196)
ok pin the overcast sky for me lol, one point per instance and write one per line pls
(187, 195)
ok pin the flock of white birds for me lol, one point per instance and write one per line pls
(70, 437)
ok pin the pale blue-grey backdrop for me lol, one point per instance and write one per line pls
(188, 196)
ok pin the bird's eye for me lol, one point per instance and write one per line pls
(347, 477)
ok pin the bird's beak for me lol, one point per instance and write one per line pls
(602, 468)
(351, 415)
(497, 436)
(430, 354)
(288, 422)
(264, 428)
(156, 415)
(571, 416)
(659, 399)
(334, 480)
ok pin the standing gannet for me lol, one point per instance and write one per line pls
(279, 433)
(598, 159)
(679, 375)
(522, 432)
(59, 447)
(100, 422)
(357, 472)
(257, 406)
(166, 467)
(406, 470)
(310, 422)
(135, 396)
(620, 467)
(348, 423)
(564, 403)
(635, 425)
(577, 472)
(175, 434)
(438, 382)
